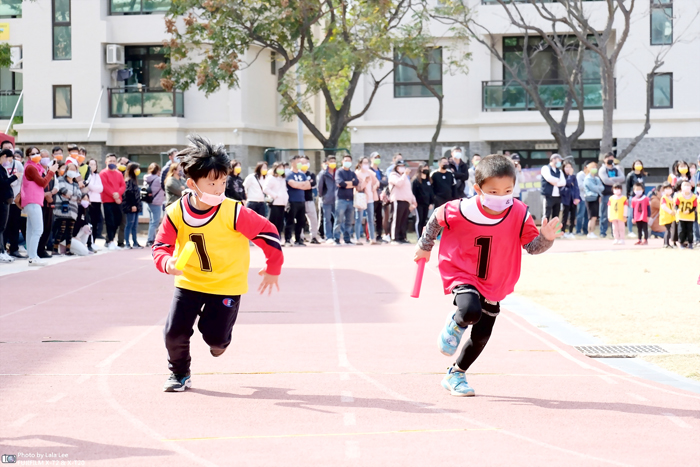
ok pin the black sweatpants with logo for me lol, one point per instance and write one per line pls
(217, 315)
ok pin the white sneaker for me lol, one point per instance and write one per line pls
(330, 241)
(37, 262)
(5, 258)
(112, 246)
(22, 250)
(632, 235)
(591, 235)
(620, 242)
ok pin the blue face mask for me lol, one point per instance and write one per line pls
(347, 164)
(287, 171)
(112, 166)
(558, 164)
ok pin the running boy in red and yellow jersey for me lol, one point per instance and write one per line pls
(216, 275)
(479, 259)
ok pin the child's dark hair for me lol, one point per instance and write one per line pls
(202, 159)
(638, 185)
(665, 185)
(617, 186)
(494, 166)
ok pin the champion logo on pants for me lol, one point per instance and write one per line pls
(228, 302)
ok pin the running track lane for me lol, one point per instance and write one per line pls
(340, 368)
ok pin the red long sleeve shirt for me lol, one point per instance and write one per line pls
(112, 182)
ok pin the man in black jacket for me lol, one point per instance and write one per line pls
(460, 170)
(443, 183)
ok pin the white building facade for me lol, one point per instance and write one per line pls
(67, 79)
(487, 113)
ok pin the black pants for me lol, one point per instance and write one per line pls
(685, 234)
(388, 217)
(642, 228)
(47, 214)
(62, 230)
(217, 315)
(421, 218)
(551, 207)
(4, 214)
(399, 224)
(570, 217)
(96, 219)
(668, 235)
(14, 225)
(439, 201)
(257, 206)
(296, 218)
(113, 218)
(472, 309)
(122, 229)
(378, 219)
(277, 218)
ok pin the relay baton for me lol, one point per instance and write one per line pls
(184, 256)
(419, 278)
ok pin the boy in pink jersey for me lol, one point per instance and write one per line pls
(479, 259)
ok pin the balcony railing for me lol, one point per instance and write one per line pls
(145, 102)
(495, 2)
(138, 7)
(8, 100)
(11, 9)
(502, 95)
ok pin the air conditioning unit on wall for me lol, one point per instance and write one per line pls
(115, 54)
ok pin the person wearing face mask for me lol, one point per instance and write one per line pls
(132, 205)
(327, 190)
(15, 220)
(443, 181)
(297, 183)
(234, 183)
(376, 160)
(518, 176)
(667, 215)
(38, 173)
(387, 205)
(593, 189)
(618, 208)
(641, 209)
(479, 261)
(346, 180)
(368, 185)
(254, 190)
(403, 202)
(70, 192)
(423, 192)
(610, 174)
(570, 198)
(637, 175)
(476, 158)
(581, 210)
(174, 184)
(6, 197)
(210, 286)
(553, 179)
(686, 205)
(95, 189)
(74, 155)
(113, 189)
(695, 182)
(47, 209)
(460, 170)
(309, 205)
(275, 187)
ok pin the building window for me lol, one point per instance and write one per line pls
(61, 30)
(62, 101)
(662, 91)
(273, 63)
(11, 8)
(145, 62)
(661, 14)
(407, 82)
(138, 7)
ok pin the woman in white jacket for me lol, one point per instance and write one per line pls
(94, 184)
(275, 187)
(254, 189)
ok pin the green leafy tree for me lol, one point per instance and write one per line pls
(324, 46)
(5, 59)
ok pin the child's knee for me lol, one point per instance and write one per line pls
(468, 308)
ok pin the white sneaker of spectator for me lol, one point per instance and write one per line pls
(632, 235)
(330, 241)
(5, 258)
(591, 235)
(112, 246)
(37, 262)
(22, 250)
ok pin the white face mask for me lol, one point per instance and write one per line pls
(400, 169)
(638, 192)
(668, 192)
(617, 192)
(84, 203)
(497, 203)
(457, 155)
(365, 166)
(686, 190)
(72, 174)
(207, 198)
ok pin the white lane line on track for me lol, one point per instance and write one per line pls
(607, 379)
(346, 397)
(677, 420)
(72, 291)
(352, 449)
(638, 397)
(56, 398)
(23, 420)
(349, 419)
(398, 396)
(141, 426)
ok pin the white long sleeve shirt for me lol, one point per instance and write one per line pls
(276, 188)
(95, 188)
(555, 182)
(253, 188)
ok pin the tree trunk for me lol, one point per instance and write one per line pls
(608, 83)
(436, 135)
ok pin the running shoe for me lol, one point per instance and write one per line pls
(5, 258)
(314, 241)
(592, 235)
(456, 383)
(37, 262)
(177, 383)
(449, 338)
(216, 351)
(632, 235)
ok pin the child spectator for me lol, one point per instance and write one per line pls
(667, 216)
(637, 175)
(656, 229)
(617, 213)
(570, 197)
(686, 204)
(65, 213)
(640, 213)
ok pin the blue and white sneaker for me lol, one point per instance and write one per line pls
(449, 338)
(177, 383)
(456, 383)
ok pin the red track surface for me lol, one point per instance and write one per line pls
(340, 368)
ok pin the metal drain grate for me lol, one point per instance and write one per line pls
(619, 351)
